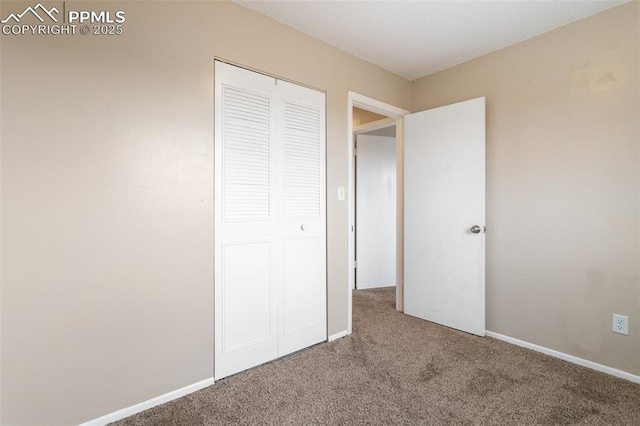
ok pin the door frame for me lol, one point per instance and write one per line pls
(397, 114)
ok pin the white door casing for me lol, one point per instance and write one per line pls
(270, 276)
(444, 195)
(375, 211)
(395, 113)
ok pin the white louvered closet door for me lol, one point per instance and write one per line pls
(270, 262)
(303, 286)
(246, 225)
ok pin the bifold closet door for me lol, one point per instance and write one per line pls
(246, 228)
(270, 279)
(303, 287)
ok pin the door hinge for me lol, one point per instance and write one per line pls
(355, 151)
(355, 264)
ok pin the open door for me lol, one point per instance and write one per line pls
(444, 205)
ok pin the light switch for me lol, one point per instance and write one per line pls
(341, 193)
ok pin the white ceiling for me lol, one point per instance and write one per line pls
(417, 38)
(385, 131)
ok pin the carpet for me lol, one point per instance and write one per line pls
(396, 369)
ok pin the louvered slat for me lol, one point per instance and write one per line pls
(246, 139)
(302, 158)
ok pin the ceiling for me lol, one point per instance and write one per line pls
(417, 38)
(385, 131)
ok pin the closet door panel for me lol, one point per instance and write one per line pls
(303, 162)
(247, 246)
(246, 295)
(246, 139)
(303, 289)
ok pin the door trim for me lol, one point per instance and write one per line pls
(373, 105)
(374, 125)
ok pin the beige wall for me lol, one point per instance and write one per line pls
(107, 193)
(362, 116)
(107, 198)
(562, 183)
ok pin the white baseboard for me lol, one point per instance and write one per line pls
(566, 357)
(338, 335)
(170, 396)
(153, 402)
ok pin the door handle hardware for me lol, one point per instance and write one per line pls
(475, 229)
(303, 226)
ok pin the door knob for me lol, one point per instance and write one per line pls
(475, 229)
(303, 226)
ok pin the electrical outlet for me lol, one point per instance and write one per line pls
(620, 324)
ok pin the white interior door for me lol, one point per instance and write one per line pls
(246, 220)
(444, 215)
(270, 237)
(375, 211)
(303, 290)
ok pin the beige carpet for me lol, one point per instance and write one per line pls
(395, 369)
